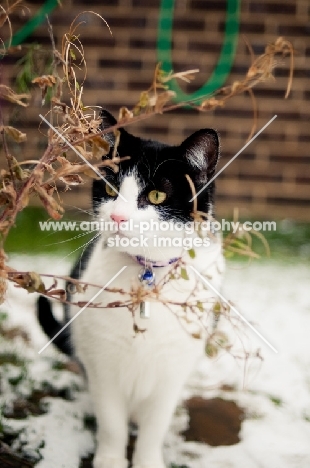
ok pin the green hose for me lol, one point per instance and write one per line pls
(33, 23)
(226, 58)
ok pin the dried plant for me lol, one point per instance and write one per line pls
(80, 126)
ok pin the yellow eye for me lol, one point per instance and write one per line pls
(112, 191)
(156, 197)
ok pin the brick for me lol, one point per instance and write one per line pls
(142, 43)
(261, 177)
(132, 64)
(269, 93)
(138, 85)
(143, 3)
(288, 201)
(218, 5)
(298, 73)
(235, 198)
(102, 41)
(289, 30)
(248, 27)
(202, 46)
(245, 27)
(304, 138)
(119, 21)
(303, 180)
(96, 2)
(294, 159)
(93, 83)
(188, 24)
(273, 8)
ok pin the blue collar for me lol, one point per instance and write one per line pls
(154, 263)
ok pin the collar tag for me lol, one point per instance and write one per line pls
(147, 279)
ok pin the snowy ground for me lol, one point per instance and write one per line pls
(274, 391)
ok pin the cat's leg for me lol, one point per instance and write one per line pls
(153, 419)
(112, 425)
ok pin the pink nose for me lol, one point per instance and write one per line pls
(119, 218)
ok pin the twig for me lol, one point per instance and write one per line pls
(6, 149)
(23, 192)
(50, 31)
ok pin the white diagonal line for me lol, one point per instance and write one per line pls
(232, 159)
(235, 310)
(83, 308)
(81, 156)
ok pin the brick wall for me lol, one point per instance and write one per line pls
(271, 178)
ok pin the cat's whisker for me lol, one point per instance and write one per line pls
(88, 212)
(71, 238)
(53, 233)
(83, 246)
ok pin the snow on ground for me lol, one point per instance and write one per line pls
(274, 391)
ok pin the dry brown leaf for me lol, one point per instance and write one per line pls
(92, 174)
(100, 147)
(20, 174)
(124, 114)
(72, 179)
(63, 161)
(83, 151)
(161, 99)
(8, 94)
(211, 103)
(8, 195)
(30, 281)
(24, 200)
(50, 204)
(144, 100)
(17, 135)
(67, 167)
(94, 125)
(58, 110)
(59, 293)
(49, 188)
(44, 81)
(186, 76)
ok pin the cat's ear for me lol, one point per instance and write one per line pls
(201, 151)
(107, 121)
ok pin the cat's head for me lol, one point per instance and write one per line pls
(153, 181)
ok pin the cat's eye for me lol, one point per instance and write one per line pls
(112, 191)
(156, 197)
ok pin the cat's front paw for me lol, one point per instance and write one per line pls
(109, 462)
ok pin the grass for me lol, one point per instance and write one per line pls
(27, 238)
(290, 241)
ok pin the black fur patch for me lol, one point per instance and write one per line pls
(163, 167)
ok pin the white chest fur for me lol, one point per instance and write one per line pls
(139, 374)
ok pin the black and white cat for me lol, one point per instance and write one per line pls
(139, 376)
